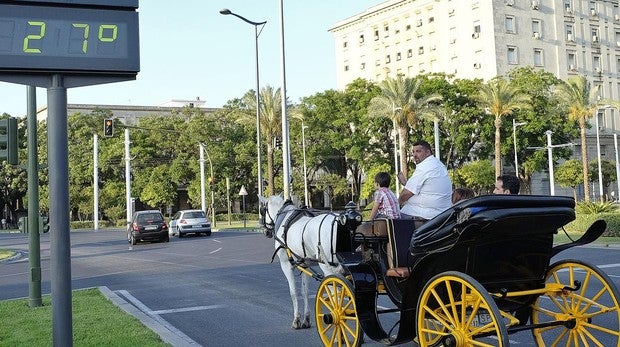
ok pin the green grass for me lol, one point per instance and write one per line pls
(96, 322)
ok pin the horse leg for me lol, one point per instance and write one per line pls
(287, 269)
(304, 292)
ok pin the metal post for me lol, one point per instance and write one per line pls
(258, 147)
(617, 166)
(514, 140)
(244, 219)
(395, 134)
(228, 200)
(95, 182)
(128, 177)
(60, 248)
(286, 158)
(34, 247)
(550, 154)
(303, 146)
(203, 203)
(436, 135)
(598, 155)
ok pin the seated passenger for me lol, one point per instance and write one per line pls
(507, 184)
(460, 194)
(385, 206)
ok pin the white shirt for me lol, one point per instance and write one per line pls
(431, 187)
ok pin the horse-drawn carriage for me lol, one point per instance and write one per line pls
(469, 277)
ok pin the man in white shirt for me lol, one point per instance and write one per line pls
(429, 190)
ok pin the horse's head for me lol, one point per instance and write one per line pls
(269, 208)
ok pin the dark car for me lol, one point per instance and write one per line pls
(190, 222)
(147, 226)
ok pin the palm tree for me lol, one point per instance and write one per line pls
(500, 99)
(270, 124)
(399, 101)
(581, 101)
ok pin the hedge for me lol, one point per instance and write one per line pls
(583, 221)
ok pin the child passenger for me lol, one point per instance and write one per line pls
(385, 201)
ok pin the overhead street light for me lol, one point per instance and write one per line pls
(258, 147)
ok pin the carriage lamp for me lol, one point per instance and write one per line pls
(351, 217)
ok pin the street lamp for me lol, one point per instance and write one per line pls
(550, 154)
(256, 35)
(514, 136)
(395, 134)
(303, 146)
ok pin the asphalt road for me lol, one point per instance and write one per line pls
(221, 290)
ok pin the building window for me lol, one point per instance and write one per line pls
(409, 53)
(421, 50)
(376, 35)
(617, 65)
(345, 44)
(362, 38)
(593, 8)
(596, 63)
(377, 62)
(595, 37)
(512, 55)
(408, 27)
(387, 59)
(431, 19)
(418, 23)
(538, 57)
(536, 27)
(452, 35)
(386, 31)
(346, 68)
(398, 56)
(362, 66)
(568, 6)
(570, 35)
(510, 24)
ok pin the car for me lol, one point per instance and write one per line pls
(147, 226)
(190, 222)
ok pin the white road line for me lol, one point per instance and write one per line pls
(215, 251)
(188, 309)
(218, 241)
(142, 307)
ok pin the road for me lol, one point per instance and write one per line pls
(221, 290)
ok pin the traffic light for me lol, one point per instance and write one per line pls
(277, 143)
(108, 127)
(8, 140)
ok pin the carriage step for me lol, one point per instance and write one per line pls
(401, 272)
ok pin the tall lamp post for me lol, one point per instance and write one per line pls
(395, 139)
(303, 147)
(598, 152)
(514, 137)
(256, 35)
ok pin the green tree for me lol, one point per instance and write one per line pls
(477, 175)
(568, 174)
(500, 98)
(401, 101)
(334, 185)
(608, 171)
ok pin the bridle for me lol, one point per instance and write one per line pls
(271, 227)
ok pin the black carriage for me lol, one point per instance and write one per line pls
(471, 276)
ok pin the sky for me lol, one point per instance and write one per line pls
(189, 50)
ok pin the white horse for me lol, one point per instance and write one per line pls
(301, 240)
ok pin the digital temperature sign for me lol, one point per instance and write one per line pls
(57, 39)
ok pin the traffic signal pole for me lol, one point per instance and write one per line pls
(34, 247)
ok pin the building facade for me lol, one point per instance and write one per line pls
(485, 39)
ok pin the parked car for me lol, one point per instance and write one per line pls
(147, 226)
(190, 222)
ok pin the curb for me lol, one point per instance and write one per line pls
(149, 321)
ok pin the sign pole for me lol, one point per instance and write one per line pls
(34, 246)
(243, 192)
(60, 249)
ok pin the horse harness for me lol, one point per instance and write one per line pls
(285, 218)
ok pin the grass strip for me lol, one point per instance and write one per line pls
(96, 322)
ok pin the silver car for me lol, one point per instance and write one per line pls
(190, 222)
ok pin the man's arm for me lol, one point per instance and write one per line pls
(405, 194)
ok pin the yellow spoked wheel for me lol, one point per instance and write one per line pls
(591, 310)
(336, 316)
(455, 310)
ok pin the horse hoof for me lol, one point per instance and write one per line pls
(296, 324)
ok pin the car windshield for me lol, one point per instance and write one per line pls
(149, 217)
(194, 214)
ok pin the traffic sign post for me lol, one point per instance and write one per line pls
(60, 44)
(243, 193)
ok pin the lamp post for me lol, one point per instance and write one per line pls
(550, 154)
(395, 134)
(286, 155)
(303, 147)
(598, 152)
(617, 166)
(514, 136)
(256, 35)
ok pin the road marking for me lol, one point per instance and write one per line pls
(217, 250)
(188, 309)
(142, 307)
(218, 241)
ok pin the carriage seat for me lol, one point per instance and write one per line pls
(513, 211)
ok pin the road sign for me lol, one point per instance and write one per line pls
(242, 191)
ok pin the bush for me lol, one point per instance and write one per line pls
(223, 217)
(588, 207)
(584, 221)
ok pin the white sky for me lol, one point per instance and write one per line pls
(189, 50)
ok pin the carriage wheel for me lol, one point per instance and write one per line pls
(592, 311)
(336, 315)
(455, 310)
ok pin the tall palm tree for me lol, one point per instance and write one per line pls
(500, 98)
(270, 124)
(399, 101)
(581, 102)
